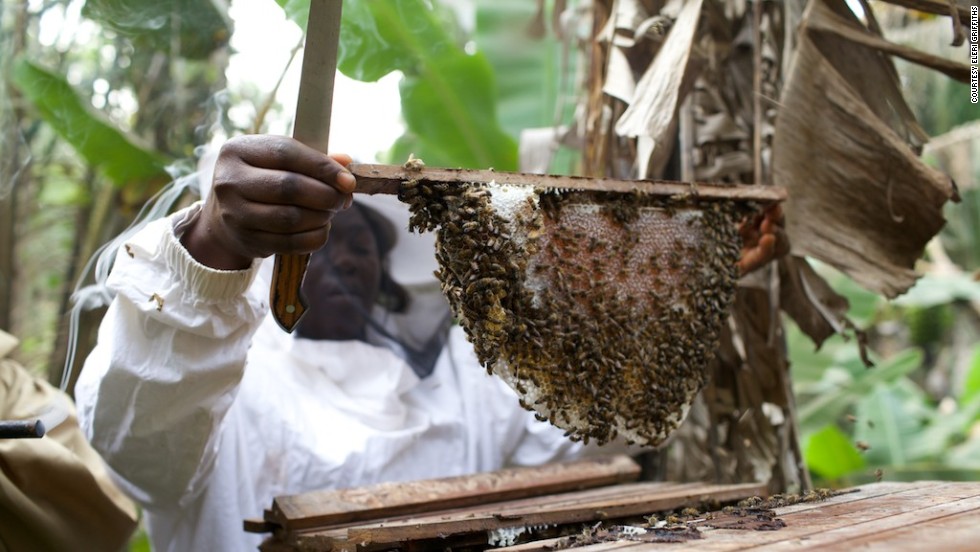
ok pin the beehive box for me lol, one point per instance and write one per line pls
(595, 505)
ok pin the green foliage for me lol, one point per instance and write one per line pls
(535, 88)
(370, 47)
(939, 102)
(928, 325)
(140, 542)
(844, 385)
(151, 24)
(448, 95)
(938, 289)
(903, 430)
(971, 383)
(101, 144)
(61, 189)
(886, 419)
(531, 92)
(961, 235)
(830, 454)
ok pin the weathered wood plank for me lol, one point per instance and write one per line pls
(387, 179)
(555, 513)
(624, 545)
(902, 517)
(806, 522)
(871, 491)
(325, 508)
(955, 533)
(865, 492)
(877, 528)
(338, 537)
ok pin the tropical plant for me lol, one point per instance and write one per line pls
(916, 415)
(105, 96)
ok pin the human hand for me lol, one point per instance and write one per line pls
(763, 239)
(270, 195)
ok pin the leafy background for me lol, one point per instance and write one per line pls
(97, 119)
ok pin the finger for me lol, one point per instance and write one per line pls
(280, 219)
(768, 225)
(776, 211)
(746, 227)
(276, 187)
(342, 158)
(748, 263)
(262, 244)
(285, 154)
(346, 178)
(773, 219)
(755, 257)
(767, 247)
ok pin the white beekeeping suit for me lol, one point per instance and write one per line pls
(205, 410)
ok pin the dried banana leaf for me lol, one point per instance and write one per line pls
(860, 198)
(652, 114)
(835, 24)
(809, 300)
(940, 7)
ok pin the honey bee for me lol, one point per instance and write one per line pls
(413, 163)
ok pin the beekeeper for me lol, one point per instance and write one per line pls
(205, 410)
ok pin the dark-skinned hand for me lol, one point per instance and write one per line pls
(763, 239)
(270, 195)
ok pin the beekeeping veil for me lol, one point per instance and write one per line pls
(417, 333)
(421, 328)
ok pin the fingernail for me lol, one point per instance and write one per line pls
(346, 179)
(348, 201)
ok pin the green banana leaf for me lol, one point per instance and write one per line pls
(101, 144)
(961, 235)
(203, 27)
(971, 382)
(943, 431)
(535, 83)
(887, 419)
(966, 455)
(448, 95)
(939, 289)
(833, 403)
(529, 83)
(830, 454)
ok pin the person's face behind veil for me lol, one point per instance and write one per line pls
(343, 280)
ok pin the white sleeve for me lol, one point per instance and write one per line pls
(170, 355)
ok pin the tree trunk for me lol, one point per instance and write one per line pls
(13, 24)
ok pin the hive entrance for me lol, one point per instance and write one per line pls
(601, 310)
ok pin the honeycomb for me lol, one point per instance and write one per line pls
(601, 310)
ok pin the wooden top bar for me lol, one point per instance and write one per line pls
(387, 179)
(331, 507)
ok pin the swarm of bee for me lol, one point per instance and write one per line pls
(600, 310)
